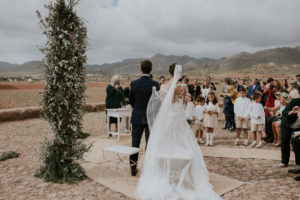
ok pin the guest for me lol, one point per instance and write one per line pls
(296, 148)
(195, 90)
(284, 99)
(184, 79)
(126, 99)
(237, 85)
(297, 83)
(264, 95)
(198, 117)
(294, 93)
(126, 95)
(240, 110)
(228, 94)
(206, 89)
(114, 97)
(211, 112)
(257, 114)
(272, 118)
(162, 80)
(290, 122)
(245, 84)
(270, 88)
(189, 110)
(277, 85)
(255, 88)
(212, 85)
(285, 85)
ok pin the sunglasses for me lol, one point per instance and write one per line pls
(277, 94)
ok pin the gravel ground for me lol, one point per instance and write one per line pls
(17, 181)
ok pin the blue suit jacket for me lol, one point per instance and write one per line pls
(140, 93)
(252, 90)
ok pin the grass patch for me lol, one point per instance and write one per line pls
(8, 155)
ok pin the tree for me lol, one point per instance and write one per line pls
(64, 56)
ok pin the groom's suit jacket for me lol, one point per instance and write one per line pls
(140, 93)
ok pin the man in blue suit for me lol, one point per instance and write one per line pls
(140, 93)
(254, 88)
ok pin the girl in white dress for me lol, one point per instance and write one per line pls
(211, 112)
(173, 166)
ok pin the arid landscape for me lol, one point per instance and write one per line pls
(24, 94)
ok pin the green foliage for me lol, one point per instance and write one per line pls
(65, 55)
(8, 155)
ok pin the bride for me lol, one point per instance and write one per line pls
(174, 168)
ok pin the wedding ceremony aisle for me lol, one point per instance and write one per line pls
(237, 172)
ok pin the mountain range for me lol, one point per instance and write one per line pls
(282, 57)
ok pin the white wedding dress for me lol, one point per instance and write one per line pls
(173, 167)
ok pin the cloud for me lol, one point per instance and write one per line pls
(141, 28)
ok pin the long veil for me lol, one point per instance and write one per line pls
(153, 107)
(173, 164)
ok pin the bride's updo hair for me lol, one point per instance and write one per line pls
(172, 68)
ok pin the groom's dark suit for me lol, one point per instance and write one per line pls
(140, 93)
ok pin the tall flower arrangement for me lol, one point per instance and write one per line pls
(64, 56)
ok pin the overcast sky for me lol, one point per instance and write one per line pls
(120, 29)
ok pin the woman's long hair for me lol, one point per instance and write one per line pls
(215, 101)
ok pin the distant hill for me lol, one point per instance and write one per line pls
(282, 58)
(243, 60)
(6, 67)
(160, 64)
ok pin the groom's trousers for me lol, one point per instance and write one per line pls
(137, 133)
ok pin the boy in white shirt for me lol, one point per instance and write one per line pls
(240, 110)
(257, 114)
(198, 117)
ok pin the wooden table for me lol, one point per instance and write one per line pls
(117, 113)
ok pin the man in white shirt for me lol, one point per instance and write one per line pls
(240, 109)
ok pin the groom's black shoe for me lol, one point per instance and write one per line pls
(295, 171)
(297, 178)
(134, 172)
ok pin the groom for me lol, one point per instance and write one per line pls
(140, 93)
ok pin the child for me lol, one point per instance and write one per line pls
(189, 110)
(211, 117)
(257, 114)
(240, 110)
(198, 117)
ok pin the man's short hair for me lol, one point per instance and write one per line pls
(298, 75)
(146, 66)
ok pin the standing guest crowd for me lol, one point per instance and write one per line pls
(270, 109)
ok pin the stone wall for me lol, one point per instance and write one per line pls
(14, 114)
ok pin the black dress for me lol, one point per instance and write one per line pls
(114, 99)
